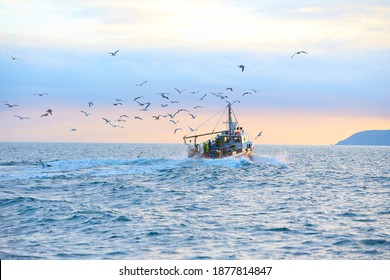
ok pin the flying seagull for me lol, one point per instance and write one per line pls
(242, 67)
(164, 94)
(90, 104)
(229, 88)
(114, 53)
(73, 129)
(259, 134)
(41, 94)
(177, 129)
(14, 58)
(21, 118)
(179, 91)
(48, 111)
(298, 53)
(10, 105)
(203, 96)
(139, 118)
(106, 120)
(85, 113)
(141, 84)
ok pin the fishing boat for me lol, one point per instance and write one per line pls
(231, 142)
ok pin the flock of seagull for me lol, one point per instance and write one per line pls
(167, 100)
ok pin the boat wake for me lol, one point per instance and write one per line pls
(114, 166)
(280, 160)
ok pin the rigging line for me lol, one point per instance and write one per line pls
(222, 110)
(219, 121)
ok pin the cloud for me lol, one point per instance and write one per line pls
(207, 25)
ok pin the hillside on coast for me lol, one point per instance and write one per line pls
(368, 138)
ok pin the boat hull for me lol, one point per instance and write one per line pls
(220, 155)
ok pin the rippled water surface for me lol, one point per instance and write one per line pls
(141, 201)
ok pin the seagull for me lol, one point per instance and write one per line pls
(179, 91)
(41, 94)
(259, 134)
(178, 111)
(73, 129)
(139, 155)
(21, 118)
(156, 117)
(173, 121)
(229, 88)
(90, 104)
(193, 116)
(10, 105)
(114, 53)
(147, 104)
(115, 126)
(298, 53)
(14, 58)
(116, 104)
(197, 107)
(245, 93)
(242, 67)
(191, 129)
(138, 97)
(177, 129)
(164, 95)
(203, 96)
(106, 120)
(141, 84)
(48, 111)
(123, 116)
(85, 113)
(255, 91)
(139, 118)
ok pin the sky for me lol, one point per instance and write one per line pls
(62, 48)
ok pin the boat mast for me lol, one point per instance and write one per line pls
(231, 128)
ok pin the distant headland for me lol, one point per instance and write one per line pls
(368, 138)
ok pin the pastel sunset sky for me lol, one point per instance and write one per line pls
(62, 48)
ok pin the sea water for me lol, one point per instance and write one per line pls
(149, 201)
